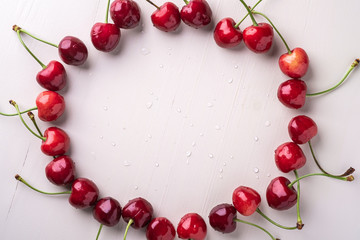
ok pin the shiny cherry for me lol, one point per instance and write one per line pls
(222, 217)
(196, 13)
(72, 51)
(294, 64)
(192, 226)
(289, 157)
(259, 38)
(167, 17)
(301, 129)
(56, 143)
(246, 200)
(107, 211)
(160, 228)
(125, 13)
(53, 77)
(84, 193)
(51, 105)
(292, 93)
(279, 196)
(61, 170)
(105, 36)
(139, 210)
(226, 35)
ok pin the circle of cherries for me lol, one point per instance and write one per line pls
(138, 213)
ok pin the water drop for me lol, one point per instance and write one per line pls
(210, 105)
(161, 66)
(231, 156)
(236, 66)
(256, 139)
(127, 163)
(211, 155)
(113, 144)
(151, 93)
(145, 51)
(230, 81)
(188, 153)
(191, 124)
(105, 108)
(157, 164)
(149, 105)
(178, 110)
(268, 175)
(149, 136)
(170, 48)
(217, 127)
(267, 123)
(136, 187)
(224, 164)
(187, 161)
(221, 177)
(193, 144)
(146, 140)
(256, 170)
(221, 170)
(101, 137)
(201, 134)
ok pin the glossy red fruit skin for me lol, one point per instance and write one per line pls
(246, 200)
(296, 64)
(167, 18)
(125, 13)
(196, 14)
(61, 171)
(160, 228)
(226, 35)
(107, 211)
(84, 193)
(258, 38)
(279, 196)
(72, 51)
(301, 129)
(292, 93)
(51, 106)
(192, 226)
(289, 157)
(139, 210)
(57, 142)
(105, 36)
(53, 77)
(222, 217)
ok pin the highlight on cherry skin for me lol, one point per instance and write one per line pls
(196, 13)
(192, 226)
(125, 13)
(166, 17)
(160, 228)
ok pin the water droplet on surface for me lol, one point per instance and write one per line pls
(127, 163)
(256, 170)
(136, 187)
(188, 153)
(187, 161)
(105, 108)
(221, 177)
(201, 134)
(161, 66)
(145, 51)
(221, 170)
(230, 81)
(267, 123)
(217, 127)
(256, 139)
(149, 136)
(268, 175)
(146, 140)
(178, 110)
(191, 124)
(157, 164)
(211, 155)
(101, 137)
(236, 66)
(113, 144)
(151, 93)
(224, 164)
(193, 144)
(231, 156)
(210, 105)
(149, 105)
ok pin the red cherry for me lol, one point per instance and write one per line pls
(196, 14)
(84, 193)
(160, 228)
(61, 170)
(222, 217)
(302, 129)
(107, 211)
(292, 93)
(279, 196)
(53, 77)
(246, 200)
(72, 51)
(51, 106)
(226, 35)
(167, 17)
(258, 38)
(289, 157)
(125, 13)
(295, 64)
(139, 210)
(192, 226)
(105, 36)
(57, 142)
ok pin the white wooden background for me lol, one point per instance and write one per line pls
(134, 116)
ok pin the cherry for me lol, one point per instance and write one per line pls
(125, 13)
(84, 193)
(279, 196)
(289, 157)
(301, 129)
(105, 36)
(191, 226)
(196, 13)
(53, 77)
(222, 217)
(56, 142)
(160, 228)
(258, 38)
(294, 64)
(51, 106)
(167, 17)
(227, 34)
(61, 170)
(246, 200)
(107, 211)
(292, 93)
(72, 51)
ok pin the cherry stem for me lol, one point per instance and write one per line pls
(353, 65)
(131, 221)
(250, 13)
(32, 118)
(238, 24)
(346, 173)
(154, 4)
(299, 223)
(107, 12)
(277, 31)
(20, 179)
(272, 221)
(98, 234)
(16, 28)
(186, 2)
(257, 226)
(15, 114)
(22, 120)
(348, 178)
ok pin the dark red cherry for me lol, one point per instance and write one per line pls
(61, 170)
(160, 228)
(53, 77)
(196, 13)
(192, 226)
(84, 193)
(222, 217)
(51, 106)
(105, 36)
(259, 38)
(226, 35)
(246, 200)
(107, 211)
(167, 17)
(139, 210)
(72, 51)
(289, 157)
(295, 64)
(292, 93)
(279, 196)
(125, 13)
(302, 129)
(57, 142)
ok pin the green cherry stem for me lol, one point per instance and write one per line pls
(299, 223)
(16, 28)
(98, 234)
(131, 221)
(250, 13)
(272, 221)
(238, 24)
(353, 65)
(107, 12)
(15, 114)
(20, 179)
(153, 4)
(186, 2)
(32, 118)
(349, 178)
(257, 226)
